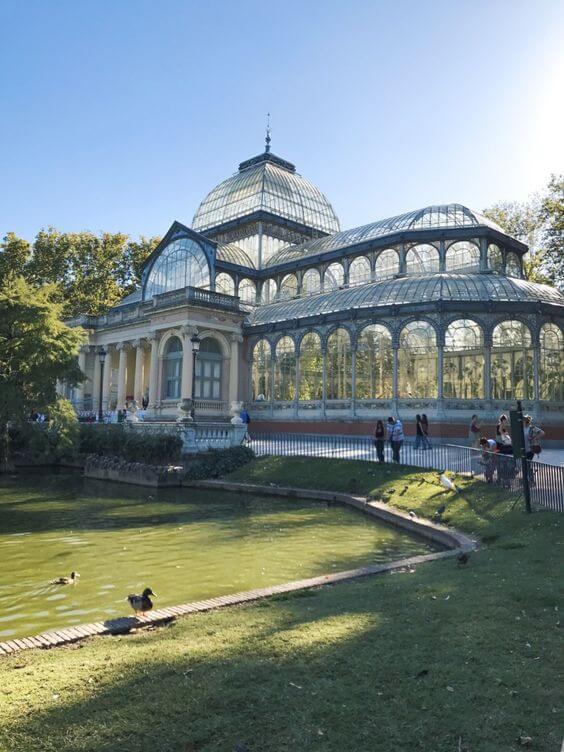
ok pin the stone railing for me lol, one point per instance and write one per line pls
(138, 311)
(197, 437)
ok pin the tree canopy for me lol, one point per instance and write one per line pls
(36, 350)
(92, 272)
(538, 222)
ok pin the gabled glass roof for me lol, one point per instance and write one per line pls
(270, 184)
(429, 218)
(409, 290)
(231, 253)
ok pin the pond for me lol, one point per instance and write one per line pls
(185, 544)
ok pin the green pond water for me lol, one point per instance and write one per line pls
(184, 544)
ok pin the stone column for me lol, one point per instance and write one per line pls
(488, 373)
(483, 254)
(440, 379)
(187, 361)
(154, 373)
(395, 379)
(536, 379)
(96, 386)
(81, 387)
(324, 379)
(139, 346)
(236, 339)
(107, 377)
(122, 348)
(353, 382)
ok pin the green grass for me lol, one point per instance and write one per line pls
(437, 660)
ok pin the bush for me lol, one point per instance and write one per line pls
(217, 462)
(131, 444)
(51, 441)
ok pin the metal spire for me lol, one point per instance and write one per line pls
(268, 139)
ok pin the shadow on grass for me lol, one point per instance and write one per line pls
(364, 666)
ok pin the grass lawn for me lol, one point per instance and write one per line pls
(442, 659)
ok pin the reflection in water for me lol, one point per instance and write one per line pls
(184, 544)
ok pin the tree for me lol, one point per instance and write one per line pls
(36, 349)
(14, 255)
(539, 223)
(552, 215)
(92, 272)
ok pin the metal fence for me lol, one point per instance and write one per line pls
(546, 481)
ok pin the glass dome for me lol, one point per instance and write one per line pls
(181, 264)
(269, 184)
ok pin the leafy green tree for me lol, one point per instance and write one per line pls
(36, 349)
(14, 255)
(552, 214)
(92, 272)
(539, 223)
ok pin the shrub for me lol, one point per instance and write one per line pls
(131, 444)
(217, 462)
(51, 441)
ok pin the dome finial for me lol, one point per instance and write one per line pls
(267, 139)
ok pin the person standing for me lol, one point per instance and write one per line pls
(488, 460)
(534, 435)
(500, 429)
(395, 436)
(379, 438)
(474, 432)
(425, 428)
(418, 432)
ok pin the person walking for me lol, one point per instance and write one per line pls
(474, 433)
(395, 437)
(489, 458)
(246, 418)
(379, 438)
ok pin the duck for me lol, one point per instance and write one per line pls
(141, 603)
(72, 580)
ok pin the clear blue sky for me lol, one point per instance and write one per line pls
(122, 115)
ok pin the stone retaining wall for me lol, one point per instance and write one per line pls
(136, 473)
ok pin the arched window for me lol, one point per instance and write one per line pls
(417, 361)
(268, 291)
(374, 363)
(288, 287)
(334, 277)
(261, 371)
(225, 284)
(172, 369)
(512, 265)
(462, 255)
(512, 362)
(495, 259)
(463, 365)
(311, 368)
(247, 291)
(359, 271)
(338, 365)
(387, 265)
(311, 282)
(208, 370)
(551, 363)
(181, 264)
(285, 370)
(422, 259)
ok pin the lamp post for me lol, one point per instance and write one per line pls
(102, 355)
(195, 340)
